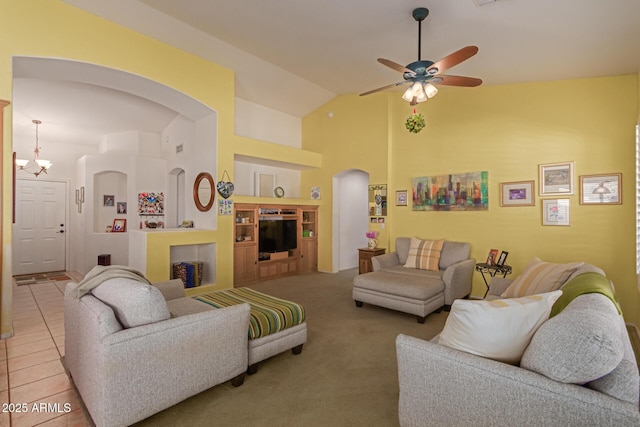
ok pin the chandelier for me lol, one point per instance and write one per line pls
(37, 165)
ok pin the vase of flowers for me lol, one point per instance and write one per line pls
(371, 235)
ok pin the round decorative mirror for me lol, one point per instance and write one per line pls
(203, 193)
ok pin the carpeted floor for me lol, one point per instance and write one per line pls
(32, 279)
(346, 374)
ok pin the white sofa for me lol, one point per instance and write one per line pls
(440, 385)
(129, 359)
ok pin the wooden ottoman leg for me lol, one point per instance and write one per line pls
(252, 369)
(358, 303)
(238, 381)
(421, 319)
(297, 349)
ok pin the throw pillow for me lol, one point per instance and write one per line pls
(134, 303)
(497, 329)
(424, 254)
(539, 277)
(582, 343)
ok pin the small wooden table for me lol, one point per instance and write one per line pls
(364, 258)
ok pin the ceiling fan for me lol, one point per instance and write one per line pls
(425, 74)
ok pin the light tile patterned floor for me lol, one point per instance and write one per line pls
(31, 374)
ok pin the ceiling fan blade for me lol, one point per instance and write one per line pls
(380, 89)
(459, 81)
(452, 60)
(395, 66)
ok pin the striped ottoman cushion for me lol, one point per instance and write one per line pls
(269, 315)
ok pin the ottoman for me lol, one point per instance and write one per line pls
(412, 294)
(275, 325)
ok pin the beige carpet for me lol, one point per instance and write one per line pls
(346, 374)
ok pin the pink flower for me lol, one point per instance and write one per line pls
(371, 234)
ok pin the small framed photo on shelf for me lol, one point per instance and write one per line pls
(601, 189)
(502, 258)
(556, 179)
(492, 258)
(555, 212)
(108, 200)
(401, 198)
(517, 194)
(119, 225)
(122, 207)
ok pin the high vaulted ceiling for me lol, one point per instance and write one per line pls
(302, 53)
(293, 56)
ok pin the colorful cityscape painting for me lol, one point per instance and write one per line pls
(456, 192)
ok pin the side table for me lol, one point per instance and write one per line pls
(491, 271)
(364, 258)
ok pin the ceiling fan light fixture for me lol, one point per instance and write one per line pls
(408, 94)
(430, 90)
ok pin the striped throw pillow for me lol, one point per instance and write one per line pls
(539, 277)
(424, 254)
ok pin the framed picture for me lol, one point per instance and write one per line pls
(502, 258)
(601, 189)
(119, 225)
(82, 194)
(556, 179)
(517, 194)
(77, 196)
(555, 212)
(122, 207)
(492, 257)
(401, 198)
(108, 200)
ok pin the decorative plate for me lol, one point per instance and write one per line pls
(279, 192)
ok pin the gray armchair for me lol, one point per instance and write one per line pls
(456, 268)
(130, 356)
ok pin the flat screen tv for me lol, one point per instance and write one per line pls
(277, 235)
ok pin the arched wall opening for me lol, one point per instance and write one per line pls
(350, 217)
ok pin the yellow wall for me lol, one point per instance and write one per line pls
(507, 130)
(354, 137)
(50, 28)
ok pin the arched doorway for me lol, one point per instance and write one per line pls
(350, 217)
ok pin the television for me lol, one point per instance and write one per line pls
(277, 235)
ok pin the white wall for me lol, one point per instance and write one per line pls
(244, 184)
(265, 124)
(350, 217)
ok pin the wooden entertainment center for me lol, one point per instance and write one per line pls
(250, 265)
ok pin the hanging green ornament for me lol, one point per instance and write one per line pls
(415, 122)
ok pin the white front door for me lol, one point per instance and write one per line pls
(39, 242)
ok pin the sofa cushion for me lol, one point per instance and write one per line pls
(424, 254)
(540, 277)
(402, 249)
(498, 329)
(580, 344)
(453, 252)
(134, 303)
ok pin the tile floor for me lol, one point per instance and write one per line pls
(31, 374)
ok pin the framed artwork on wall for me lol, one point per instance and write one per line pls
(454, 192)
(401, 198)
(108, 200)
(601, 189)
(517, 194)
(556, 179)
(119, 225)
(555, 212)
